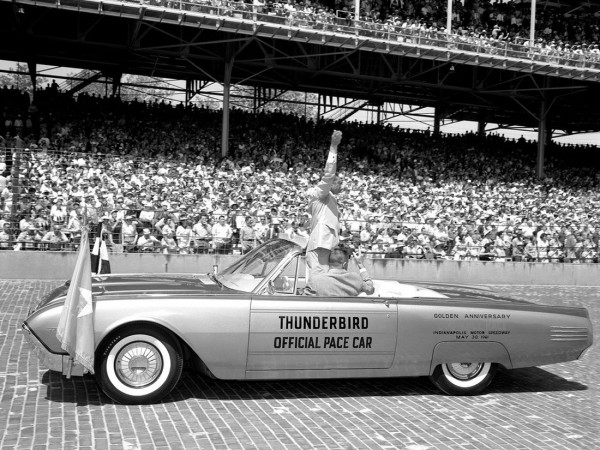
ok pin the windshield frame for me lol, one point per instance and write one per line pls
(271, 257)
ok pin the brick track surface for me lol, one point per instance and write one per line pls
(549, 407)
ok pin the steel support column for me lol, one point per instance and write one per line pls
(481, 129)
(449, 17)
(532, 24)
(437, 119)
(319, 107)
(33, 75)
(542, 136)
(116, 84)
(256, 99)
(226, 106)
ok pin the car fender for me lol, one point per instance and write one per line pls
(136, 320)
(215, 330)
(453, 352)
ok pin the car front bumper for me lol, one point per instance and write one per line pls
(53, 361)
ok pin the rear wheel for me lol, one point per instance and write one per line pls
(139, 365)
(463, 378)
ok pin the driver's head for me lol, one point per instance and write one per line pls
(336, 186)
(338, 258)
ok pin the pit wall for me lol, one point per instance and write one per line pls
(59, 266)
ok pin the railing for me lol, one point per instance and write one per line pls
(148, 236)
(559, 254)
(330, 26)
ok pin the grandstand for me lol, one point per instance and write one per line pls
(453, 197)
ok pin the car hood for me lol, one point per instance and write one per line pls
(143, 284)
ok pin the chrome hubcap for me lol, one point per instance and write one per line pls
(464, 371)
(138, 364)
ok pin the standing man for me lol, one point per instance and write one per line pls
(248, 235)
(222, 232)
(202, 233)
(323, 208)
(262, 229)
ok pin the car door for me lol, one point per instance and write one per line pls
(304, 332)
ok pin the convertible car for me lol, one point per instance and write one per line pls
(251, 321)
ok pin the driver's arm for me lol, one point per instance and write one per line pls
(367, 284)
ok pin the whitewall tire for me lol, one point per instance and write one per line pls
(463, 378)
(139, 365)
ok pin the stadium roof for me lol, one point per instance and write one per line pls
(462, 84)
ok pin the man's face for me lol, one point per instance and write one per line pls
(336, 186)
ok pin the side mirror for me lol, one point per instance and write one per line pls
(271, 288)
(215, 269)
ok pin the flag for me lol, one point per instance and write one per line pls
(100, 262)
(76, 325)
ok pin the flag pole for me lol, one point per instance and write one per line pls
(70, 367)
(101, 240)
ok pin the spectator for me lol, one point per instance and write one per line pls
(147, 242)
(438, 250)
(487, 252)
(6, 237)
(202, 234)
(542, 247)
(58, 212)
(55, 239)
(518, 247)
(529, 250)
(169, 244)
(29, 239)
(262, 229)
(570, 247)
(413, 250)
(248, 235)
(222, 232)
(184, 235)
(129, 233)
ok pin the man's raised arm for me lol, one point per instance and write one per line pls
(324, 186)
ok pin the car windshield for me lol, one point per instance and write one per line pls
(253, 267)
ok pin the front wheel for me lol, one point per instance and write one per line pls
(463, 378)
(139, 365)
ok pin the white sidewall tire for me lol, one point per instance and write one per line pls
(168, 359)
(449, 384)
(132, 391)
(465, 384)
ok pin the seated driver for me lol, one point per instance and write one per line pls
(338, 281)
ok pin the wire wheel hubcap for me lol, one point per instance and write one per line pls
(464, 371)
(138, 364)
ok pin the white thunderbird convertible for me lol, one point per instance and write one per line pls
(251, 321)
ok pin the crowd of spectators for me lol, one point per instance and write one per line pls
(563, 33)
(152, 174)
